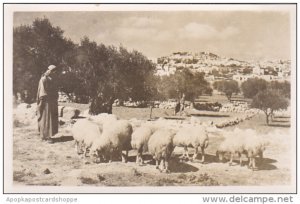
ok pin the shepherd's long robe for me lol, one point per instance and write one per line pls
(47, 107)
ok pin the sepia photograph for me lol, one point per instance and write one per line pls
(150, 98)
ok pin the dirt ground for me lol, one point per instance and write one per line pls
(38, 163)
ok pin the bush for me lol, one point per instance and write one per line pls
(208, 106)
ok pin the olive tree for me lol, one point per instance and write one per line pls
(35, 47)
(269, 100)
(228, 87)
(110, 73)
(252, 86)
(283, 87)
(182, 82)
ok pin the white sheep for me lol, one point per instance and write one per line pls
(255, 145)
(160, 146)
(85, 132)
(233, 144)
(139, 140)
(195, 136)
(116, 137)
(242, 142)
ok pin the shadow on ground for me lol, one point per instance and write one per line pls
(280, 121)
(284, 125)
(282, 117)
(175, 165)
(266, 164)
(208, 115)
(181, 167)
(63, 139)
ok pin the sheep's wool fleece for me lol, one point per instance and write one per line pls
(140, 137)
(234, 141)
(160, 141)
(119, 133)
(104, 118)
(101, 144)
(194, 135)
(86, 131)
(239, 140)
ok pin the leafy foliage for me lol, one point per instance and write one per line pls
(269, 100)
(228, 87)
(183, 82)
(103, 73)
(35, 47)
(283, 87)
(108, 73)
(252, 86)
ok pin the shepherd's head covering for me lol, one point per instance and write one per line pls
(52, 67)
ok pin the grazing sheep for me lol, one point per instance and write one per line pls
(115, 137)
(135, 123)
(233, 144)
(242, 142)
(139, 141)
(85, 132)
(160, 146)
(255, 146)
(195, 136)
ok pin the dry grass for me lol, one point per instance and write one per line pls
(31, 157)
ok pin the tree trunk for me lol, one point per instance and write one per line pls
(267, 119)
(151, 107)
(100, 105)
(229, 97)
(272, 115)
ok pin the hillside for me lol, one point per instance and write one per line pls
(213, 64)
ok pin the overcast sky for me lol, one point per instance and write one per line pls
(244, 35)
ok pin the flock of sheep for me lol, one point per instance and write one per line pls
(104, 136)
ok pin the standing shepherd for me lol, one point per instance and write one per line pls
(180, 105)
(47, 105)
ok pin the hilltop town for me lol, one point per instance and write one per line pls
(216, 67)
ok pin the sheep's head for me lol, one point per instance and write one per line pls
(99, 155)
(100, 146)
